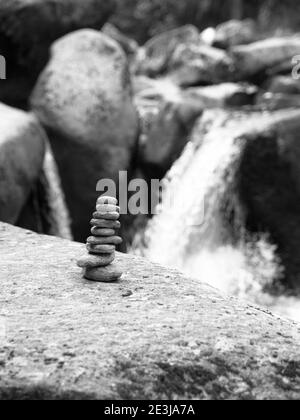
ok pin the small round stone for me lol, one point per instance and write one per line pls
(102, 232)
(110, 240)
(107, 200)
(107, 208)
(100, 249)
(106, 216)
(103, 274)
(106, 224)
(96, 260)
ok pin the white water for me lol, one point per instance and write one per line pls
(59, 214)
(194, 235)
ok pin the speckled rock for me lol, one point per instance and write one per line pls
(84, 100)
(155, 334)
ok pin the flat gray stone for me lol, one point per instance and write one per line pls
(107, 200)
(102, 232)
(106, 216)
(106, 224)
(108, 274)
(155, 334)
(109, 240)
(100, 249)
(107, 208)
(90, 260)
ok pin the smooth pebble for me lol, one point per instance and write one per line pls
(109, 240)
(107, 274)
(96, 260)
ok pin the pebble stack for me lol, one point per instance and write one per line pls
(98, 264)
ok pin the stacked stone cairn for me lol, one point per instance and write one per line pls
(98, 264)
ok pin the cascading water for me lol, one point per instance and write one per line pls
(57, 213)
(202, 231)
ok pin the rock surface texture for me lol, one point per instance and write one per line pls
(155, 334)
(83, 98)
(22, 150)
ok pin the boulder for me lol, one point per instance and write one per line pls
(154, 57)
(83, 98)
(22, 149)
(275, 101)
(130, 46)
(198, 64)
(284, 85)
(268, 186)
(223, 95)
(155, 335)
(264, 55)
(167, 115)
(28, 28)
(235, 32)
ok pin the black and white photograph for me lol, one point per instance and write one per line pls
(150, 203)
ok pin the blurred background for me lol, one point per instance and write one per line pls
(143, 19)
(203, 95)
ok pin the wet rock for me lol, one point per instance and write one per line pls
(235, 32)
(28, 28)
(197, 64)
(284, 85)
(268, 188)
(102, 340)
(154, 57)
(275, 101)
(22, 150)
(83, 98)
(167, 116)
(264, 55)
(130, 46)
(223, 95)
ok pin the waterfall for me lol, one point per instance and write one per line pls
(202, 232)
(58, 218)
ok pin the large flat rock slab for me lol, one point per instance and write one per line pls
(155, 334)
